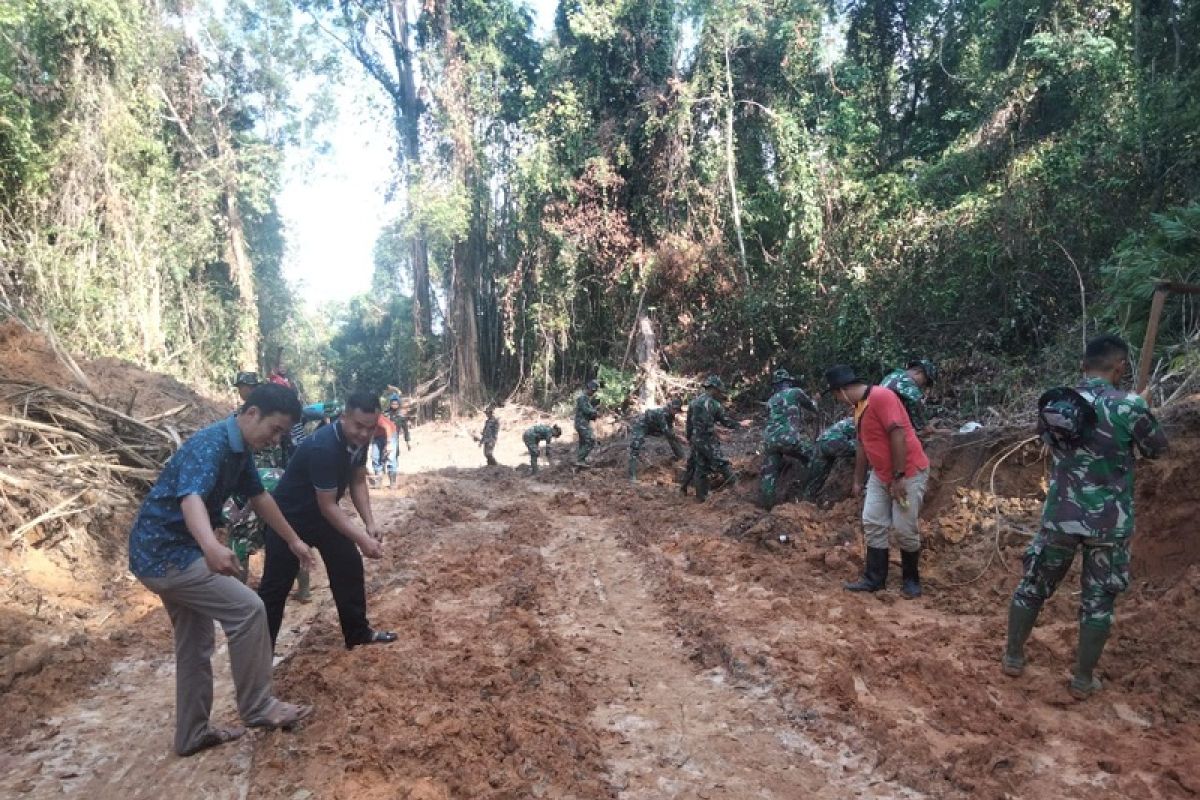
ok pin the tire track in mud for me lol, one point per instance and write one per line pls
(677, 728)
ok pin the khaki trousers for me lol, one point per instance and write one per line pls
(196, 598)
(881, 514)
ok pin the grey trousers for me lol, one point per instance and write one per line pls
(194, 599)
(881, 513)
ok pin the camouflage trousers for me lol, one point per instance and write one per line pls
(706, 458)
(637, 441)
(825, 455)
(531, 444)
(586, 442)
(1105, 574)
(489, 451)
(772, 465)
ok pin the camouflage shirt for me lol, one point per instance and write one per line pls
(491, 430)
(400, 420)
(900, 382)
(585, 412)
(1091, 485)
(840, 431)
(703, 415)
(656, 420)
(785, 416)
(539, 433)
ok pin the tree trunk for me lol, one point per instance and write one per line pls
(466, 381)
(647, 361)
(731, 170)
(408, 127)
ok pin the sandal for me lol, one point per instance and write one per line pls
(214, 737)
(375, 637)
(284, 716)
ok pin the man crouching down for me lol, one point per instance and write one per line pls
(324, 467)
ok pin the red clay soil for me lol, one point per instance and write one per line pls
(573, 636)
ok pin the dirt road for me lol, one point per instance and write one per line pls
(572, 636)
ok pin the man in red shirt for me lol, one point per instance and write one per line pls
(899, 473)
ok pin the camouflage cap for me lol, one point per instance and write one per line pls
(925, 365)
(780, 375)
(592, 385)
(675, 403)
(246, 379)
(714, 382)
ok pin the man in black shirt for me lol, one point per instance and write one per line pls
(323, 468)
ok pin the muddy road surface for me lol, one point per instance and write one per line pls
(573, 636)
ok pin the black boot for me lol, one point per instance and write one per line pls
(911, 573)
(874, 572)
(701, 481)
(1091, 644)
(1020, 624)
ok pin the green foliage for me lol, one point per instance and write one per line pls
(1168, 251)
(138, 177)
(616, 386)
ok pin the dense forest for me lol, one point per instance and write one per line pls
(759, 182)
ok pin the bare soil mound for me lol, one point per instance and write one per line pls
(67, 495)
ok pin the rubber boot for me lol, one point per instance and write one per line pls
(633, 469)
(911, 573)
(392, 480)
(689, 475)
(874, 572)
(701, 486)
(533, 465)
(1020, 624)
(1091, 644)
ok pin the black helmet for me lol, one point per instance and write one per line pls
(714, 382)
(246, 379)
(592, 385)
(557, 431)
(925, 365)
(675, 403)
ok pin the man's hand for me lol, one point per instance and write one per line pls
(856, 490)
(744, 423)
(221, 560)
(373, 532)
(304, 553)
(1145, 394)
(370, 547)
(899, 491)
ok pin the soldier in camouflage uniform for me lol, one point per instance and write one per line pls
(585, 412)
(654, 422)
(839, 440)
(704, 414)
(491, 432)
(910, 384)
(784, 434)
(395, 412)
(535, 436)
(1089, 506)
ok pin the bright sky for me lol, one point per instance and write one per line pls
(334, 203)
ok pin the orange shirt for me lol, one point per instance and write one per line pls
(384, 429)
(884, 413)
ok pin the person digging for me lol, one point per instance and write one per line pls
(899, 472)
(1092, 431)
(535, 436)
